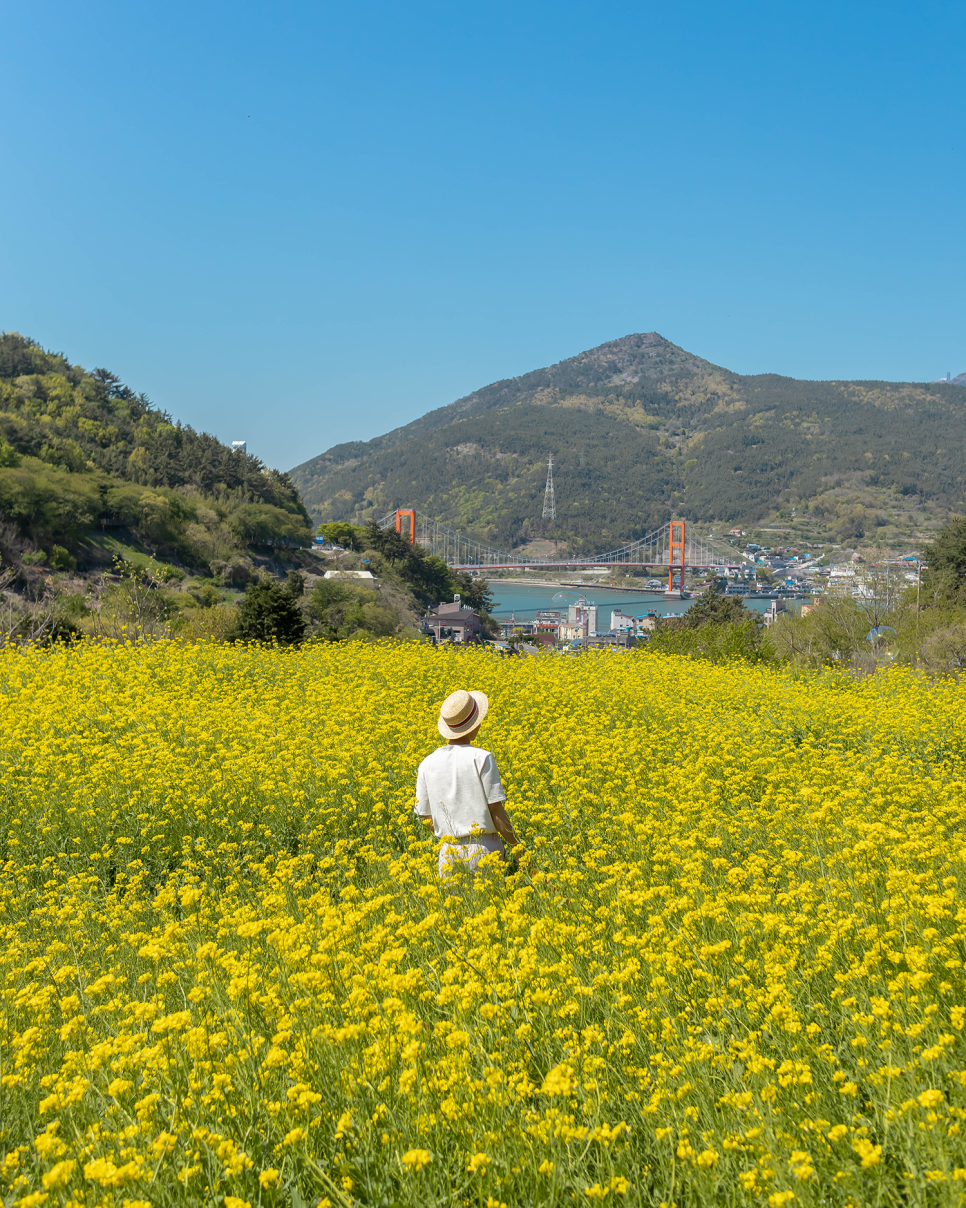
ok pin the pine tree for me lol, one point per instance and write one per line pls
(268, 613)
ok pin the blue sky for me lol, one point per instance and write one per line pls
(305, 223)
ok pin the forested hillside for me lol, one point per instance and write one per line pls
(80, 451)
(640, 429)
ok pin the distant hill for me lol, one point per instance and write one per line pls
(641, 429)
(80, 451)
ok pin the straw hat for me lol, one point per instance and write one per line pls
(461, 712)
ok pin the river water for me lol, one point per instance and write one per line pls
(524, 599)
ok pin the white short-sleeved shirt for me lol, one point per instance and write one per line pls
(454, 786)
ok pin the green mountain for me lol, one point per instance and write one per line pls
(80, 451)
(641, 429)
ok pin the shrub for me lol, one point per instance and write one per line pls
(343, 610)
(739, 640)
(60, 559)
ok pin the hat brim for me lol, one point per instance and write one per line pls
(482, 707)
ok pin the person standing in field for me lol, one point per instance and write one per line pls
(458, 789)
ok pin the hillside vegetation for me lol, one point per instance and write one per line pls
(117, 522)
(80, 451)
(640, 429)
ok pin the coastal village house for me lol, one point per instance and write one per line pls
(548, 621)
(611, 641)
(573, 631)
(453, 622)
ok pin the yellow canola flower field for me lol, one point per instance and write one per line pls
(731, 974)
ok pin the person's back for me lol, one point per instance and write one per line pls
(457, 783)
(458, 788)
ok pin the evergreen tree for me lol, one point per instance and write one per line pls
(429, 577)
(268, 613)
(716, 608)
(475, 593)
(393, 547)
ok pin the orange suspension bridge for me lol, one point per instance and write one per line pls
(671, 548)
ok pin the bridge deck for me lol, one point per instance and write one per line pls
(665, 548)
(589, 562)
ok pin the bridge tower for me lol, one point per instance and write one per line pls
(676, 552)
(401, 514)
(549, 502)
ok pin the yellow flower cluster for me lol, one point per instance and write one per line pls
(730, 969)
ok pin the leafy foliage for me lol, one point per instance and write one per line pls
(268, 613)
(946, 558)
(344, 610)
(716, 608)
(475, 593)
(715, 641)
(429, 578)
(78, 449)
(924, 628)
(349, 536)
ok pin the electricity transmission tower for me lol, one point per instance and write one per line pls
(549, 503)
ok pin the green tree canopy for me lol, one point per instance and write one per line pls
(429, 577)
(349, 536)
(264, 524)
(945, 578)
(716, 608)
(717, 642)
(475, 593)
(84, 421)
(344, 610)
(268, 613)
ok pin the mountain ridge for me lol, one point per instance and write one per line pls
(641, 428)
(491, 396)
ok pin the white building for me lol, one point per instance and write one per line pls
(583, 614)
(620, 622)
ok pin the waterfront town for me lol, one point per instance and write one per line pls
(775, 578)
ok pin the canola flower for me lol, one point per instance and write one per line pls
(229, 975)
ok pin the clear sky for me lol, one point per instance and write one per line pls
(301, 223)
